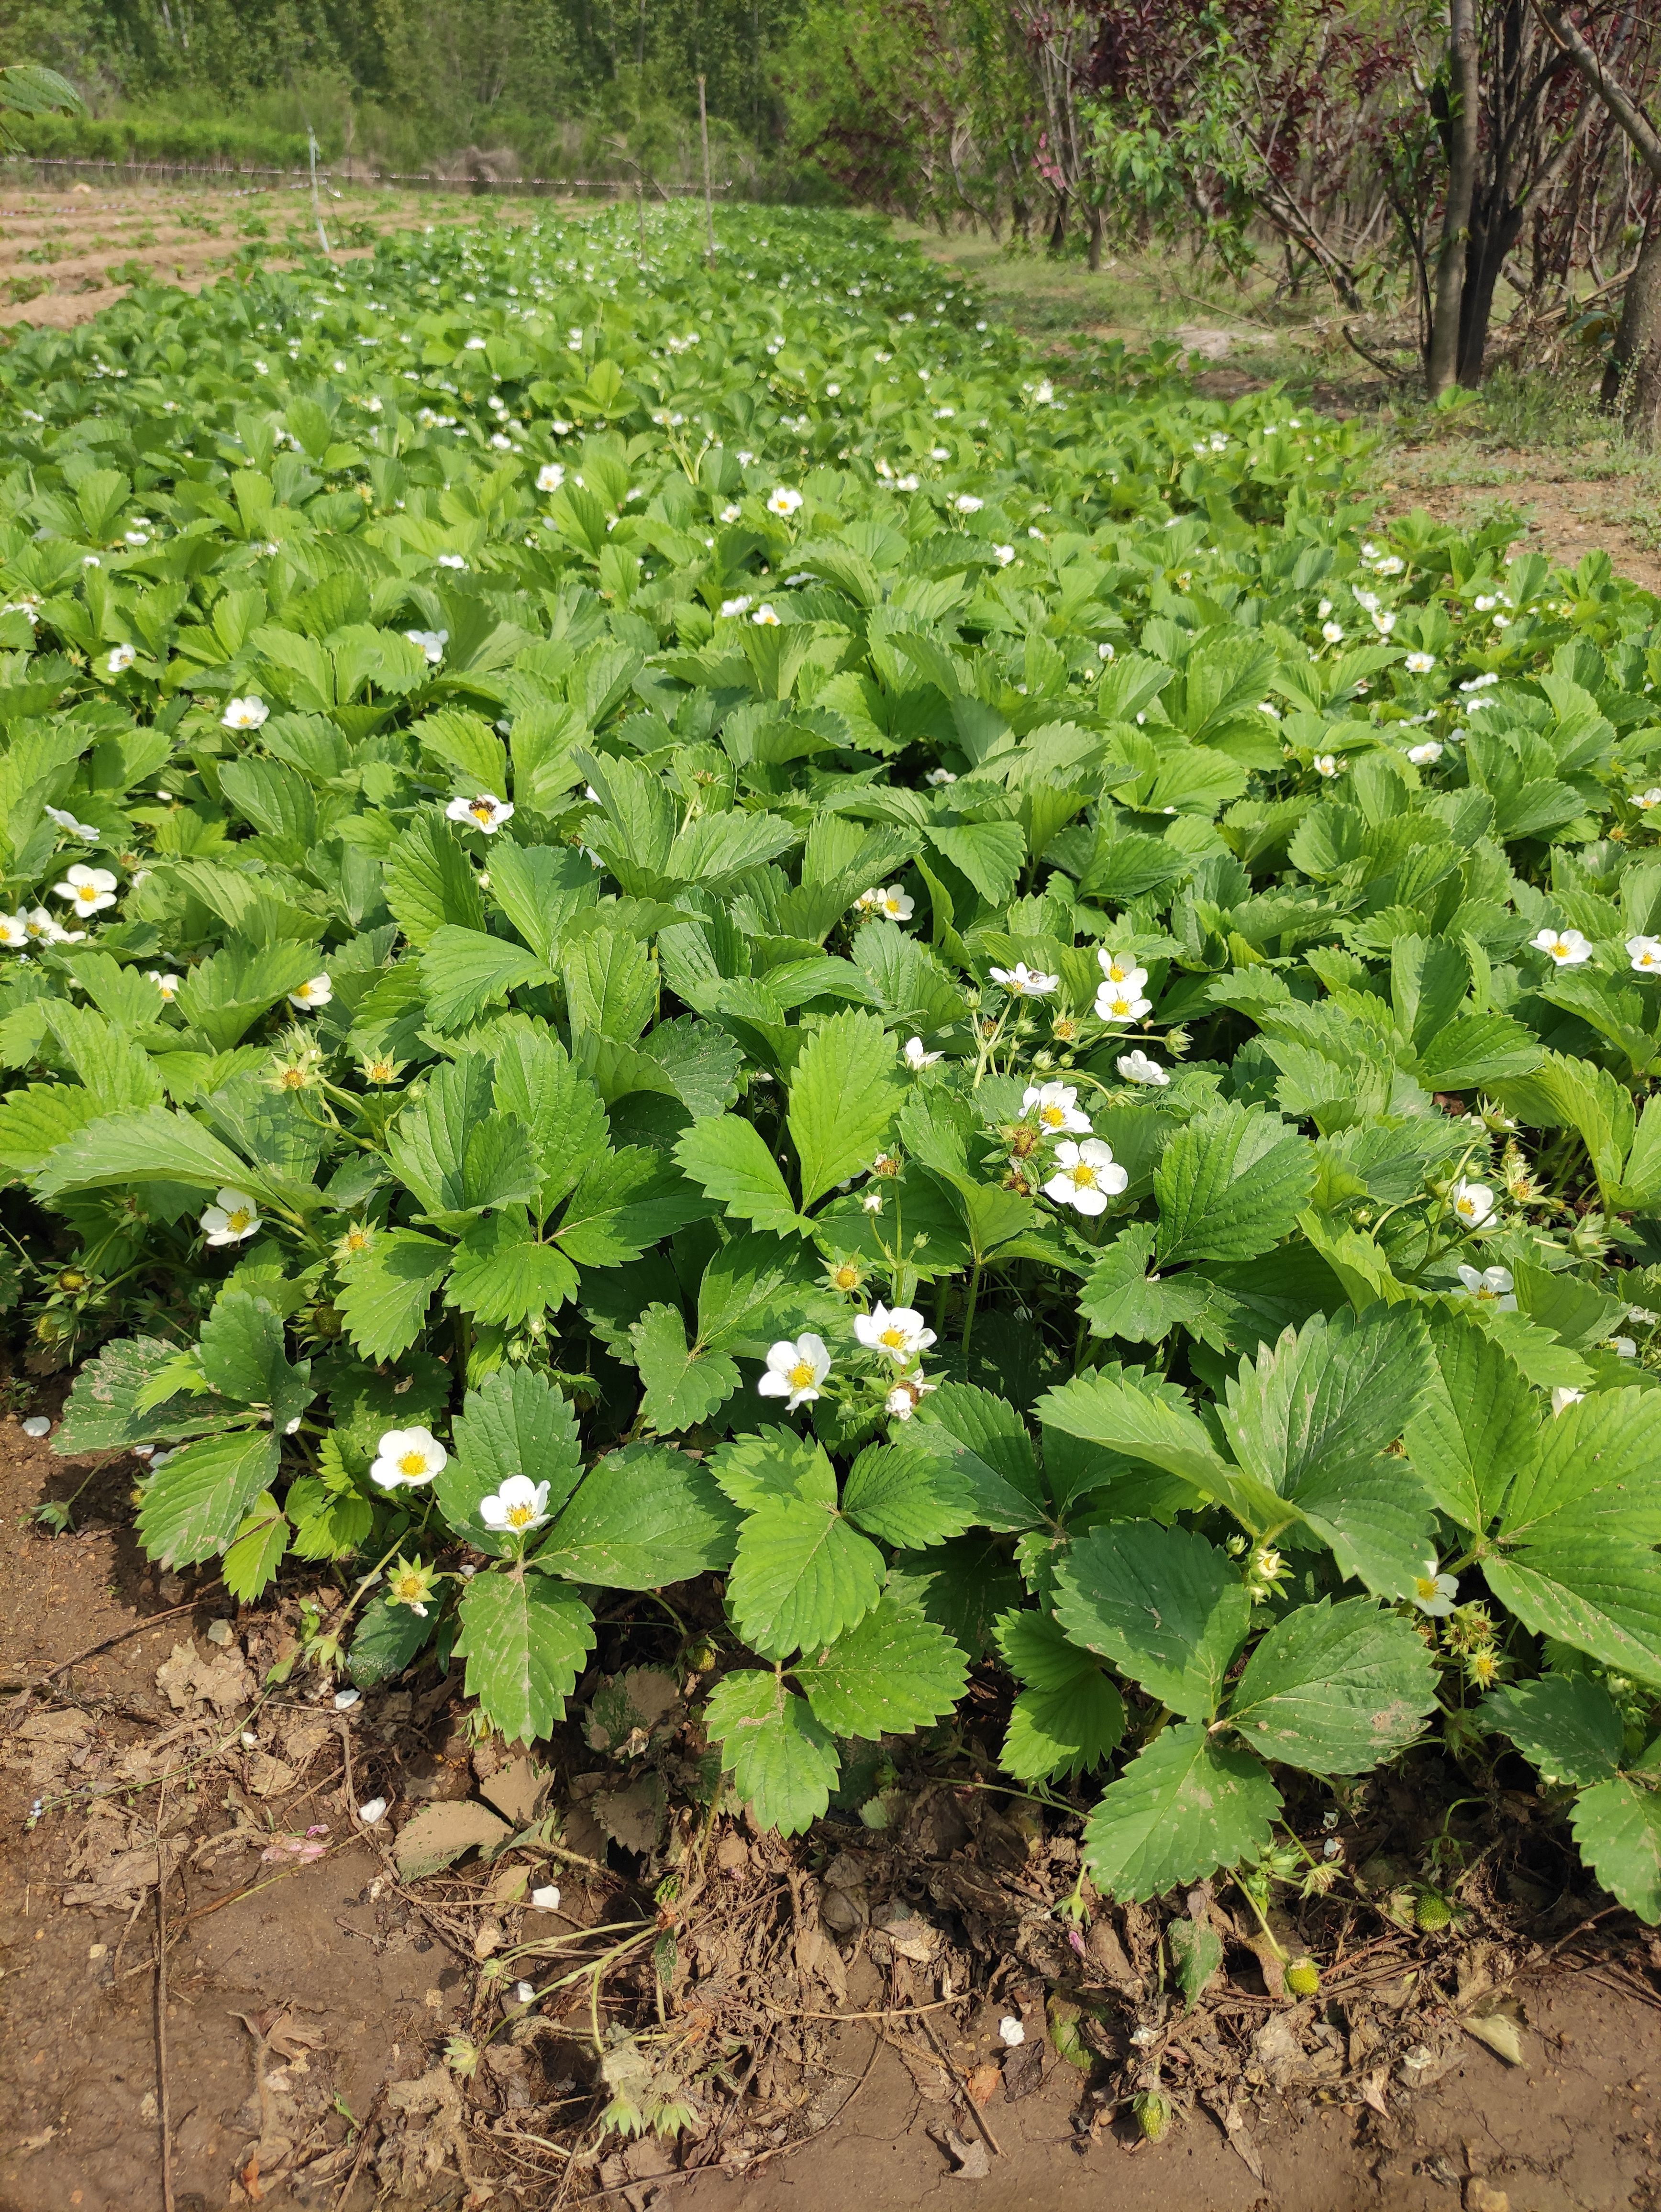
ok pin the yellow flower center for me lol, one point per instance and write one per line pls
(1425, 1586)
(357, 1240)
(1465, 1206)
(846, 1279)
(1115, 974)
(1084, 1175)
(412, 1462)
(86, 892)
(237, 1218)
(519, 1515)
(481, 811)
(893, 1338)
(801, 1375)
(1051, 1116)
(407, 1588)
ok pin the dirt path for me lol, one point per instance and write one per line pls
(352, 1989)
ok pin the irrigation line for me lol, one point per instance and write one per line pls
(301, 179)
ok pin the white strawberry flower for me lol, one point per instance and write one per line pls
(1120, 1002)
(41, 928)
(966, 503)
(899, 1333)
(1004, 555)
(1420, 664)
(1121, 969)
(90, 890)
(795, 1371)
(1424, 756)
(1473, 1202)
(1643, 801)
(1024, 983)
(407, 1458)
(938, 778)
(1567, 948)
(431, 642)
(70, 826)
(486, 813)
(1562, 1398)
(1490, 1286)
(1644, 954)
(1058, 1109)
(1327, 764)
(1434, 1594)
(309, 996)
(738, 606)
(732, 511)
(14, 931)
(168, 985)
(1137, 1068)
(550, 477)
(244, 714)
(783, 501)
(232, 1219)
(918, 1057)
(890, 901)
(517, 1508)
(120, 658)
(907, 1396)
(1086, 1177)
(766, 616)
(1332, 632)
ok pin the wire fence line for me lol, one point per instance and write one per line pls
(300, 179)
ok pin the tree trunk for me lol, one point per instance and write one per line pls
(1464, 122)
(1058, 228)
(1632, 381)
(1492, 234)
(1095, 255)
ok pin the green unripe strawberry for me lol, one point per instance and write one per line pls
(1153, 2113)
(1432, 1910)
(1303, 1977)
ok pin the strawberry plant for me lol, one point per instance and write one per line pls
(668, 921)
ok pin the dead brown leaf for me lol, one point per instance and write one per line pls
(224, 1681)
(440, 1834)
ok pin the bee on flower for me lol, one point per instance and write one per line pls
(1084, 1176)
(120, 659)
(1024, 983)
(486, 813)
(1055, 1106)
(796, 1368)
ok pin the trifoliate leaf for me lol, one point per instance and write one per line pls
(1196, 1952)
(783, 1762)
(1335, 1689)
(1597, 1471)
(454, 1152)
(154, 1145)
(1568, 1724)
(525, 1639)
(1182, 1808)
(1068, 1717)
(985, 1443)
(964, 1585)
(194, 1506)
(1162, 1603)
(801, 1575)
(773, 1463)
(625, 1202)
(431, 882)
(463, 971)
(1600, 1595)
(103, 1414)
(388, 1638)
(891, 1672)
(1231, 1185)
(244, 1357)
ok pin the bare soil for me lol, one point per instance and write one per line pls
(297, 2045)
(66, 253)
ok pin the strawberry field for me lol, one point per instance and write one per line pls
(679, 945)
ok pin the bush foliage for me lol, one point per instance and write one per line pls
(674, 921)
